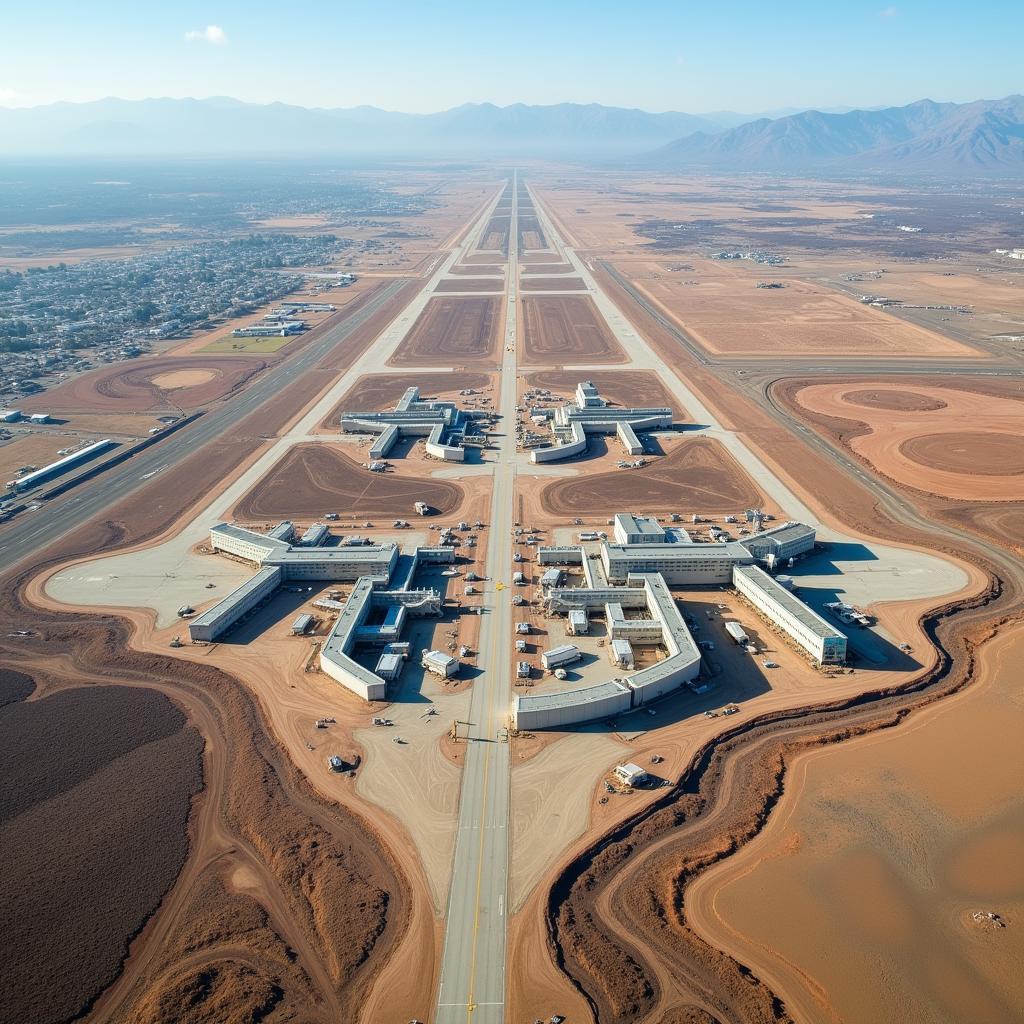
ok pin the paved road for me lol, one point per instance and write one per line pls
(32, 531)
(472, 981)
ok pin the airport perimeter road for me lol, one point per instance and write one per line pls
(31, 531)
(472, 982)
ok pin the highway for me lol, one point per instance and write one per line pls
(472, 978)
(30, 532)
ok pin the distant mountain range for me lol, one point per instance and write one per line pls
(945, 139)
(221, 126)
(948, 139)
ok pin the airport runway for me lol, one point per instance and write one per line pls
(472, 977)
(29, 532)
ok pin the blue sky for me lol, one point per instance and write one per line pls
(693, 56)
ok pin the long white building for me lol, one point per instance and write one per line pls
(814, 634)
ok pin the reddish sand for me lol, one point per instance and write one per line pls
(944, 441)
(856, 900)
(897, 401)
(988, 454)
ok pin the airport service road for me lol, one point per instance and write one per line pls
(167, 575)
(32, 531)
(472, 979)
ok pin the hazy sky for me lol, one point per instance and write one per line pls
(746, 55)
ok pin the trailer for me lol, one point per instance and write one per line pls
(736, 631)
(566, 654)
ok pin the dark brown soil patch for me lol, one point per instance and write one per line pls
(95, 804)
(314, 478)
(451, 332)
(482, 268)
(471, 284)
(379, 391)
(553, 284)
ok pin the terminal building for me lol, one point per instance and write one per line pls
(591, 414)
(629, 582)
(642, 613)
(373, 616)
(447, 428)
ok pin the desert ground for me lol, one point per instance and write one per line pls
(566, 330)
(452, 330)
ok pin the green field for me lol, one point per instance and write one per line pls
(242, 346)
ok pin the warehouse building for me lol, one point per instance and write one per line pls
(591, 414)
(630, 529)
(788, 540)
(61, 466)
(447, 428)
(277, 329)
(217, 620)
(783, 608)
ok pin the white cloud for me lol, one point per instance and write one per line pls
(888, 12)
(213, 34)
(8, 95)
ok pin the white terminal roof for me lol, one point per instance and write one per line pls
(803, 613)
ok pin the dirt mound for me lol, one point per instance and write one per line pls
(986, 454)
(133, 386)
(896, 401)
(566, 329)
(697, 475)
(313, 478)
(630, 388)
(451, 331)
